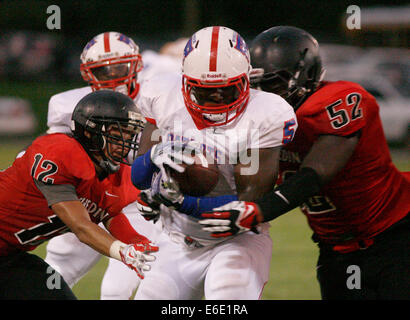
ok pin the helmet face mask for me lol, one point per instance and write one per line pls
(216, 104)
(119, 139)
(112, 71)
(215, 83)
(276, 82)
(111, 61)
(282, 83)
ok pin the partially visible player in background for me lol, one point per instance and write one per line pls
(70, 183)
(167, 60)
(111, 60)
(211, 106)
(338, 169)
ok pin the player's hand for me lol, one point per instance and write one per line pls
(165, 190)
(172, 154)
(137, 255)
(232, 218)
(148, 207)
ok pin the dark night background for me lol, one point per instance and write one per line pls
(157, 20)
(36, 62)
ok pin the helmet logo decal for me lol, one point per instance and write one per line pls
(125, 39)
(189, 46)
(90, 43)
(107, 42)
(241, 45)
(214, 49)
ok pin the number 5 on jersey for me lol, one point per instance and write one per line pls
(288, 131)
(50, 168)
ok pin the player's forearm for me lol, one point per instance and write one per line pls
(195, 206)
(95, 237)
(75, 216)
(290, 194)
(256, 178)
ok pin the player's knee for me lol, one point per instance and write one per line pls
(113, 292)
(158, 287)
(229, 276)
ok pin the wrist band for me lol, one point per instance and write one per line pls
(115, 249)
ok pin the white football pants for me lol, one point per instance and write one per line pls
(73, 259)
(236, 269)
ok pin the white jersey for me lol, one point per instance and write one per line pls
(155, 64)
(261, 125)
(61, 105)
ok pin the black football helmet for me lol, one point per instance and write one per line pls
(286, 61)
(110, 118)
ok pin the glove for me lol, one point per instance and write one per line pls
(136, 255)
(148, 207)
(232, 218)
(165, 190)
(172, 154)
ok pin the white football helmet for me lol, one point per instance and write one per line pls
(216, 68)
(111, 61)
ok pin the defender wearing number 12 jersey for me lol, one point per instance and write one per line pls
(27, 220)
(71, 183)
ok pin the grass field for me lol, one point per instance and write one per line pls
(292, 275)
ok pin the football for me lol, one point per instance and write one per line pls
(199, 178)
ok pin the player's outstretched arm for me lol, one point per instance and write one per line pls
(75, 216)
(251, 183)
(256, 177)
(326, 158)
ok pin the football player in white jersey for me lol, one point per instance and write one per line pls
(211, 109)
(112, 61)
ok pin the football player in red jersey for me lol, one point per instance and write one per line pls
(43, 195)
(338, 169)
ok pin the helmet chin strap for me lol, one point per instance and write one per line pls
(105, 163)
(108, 166)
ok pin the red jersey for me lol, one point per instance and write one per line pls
(369, 194)
(55, 159)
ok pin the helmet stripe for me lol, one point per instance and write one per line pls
(107, 42)
(214, 49)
